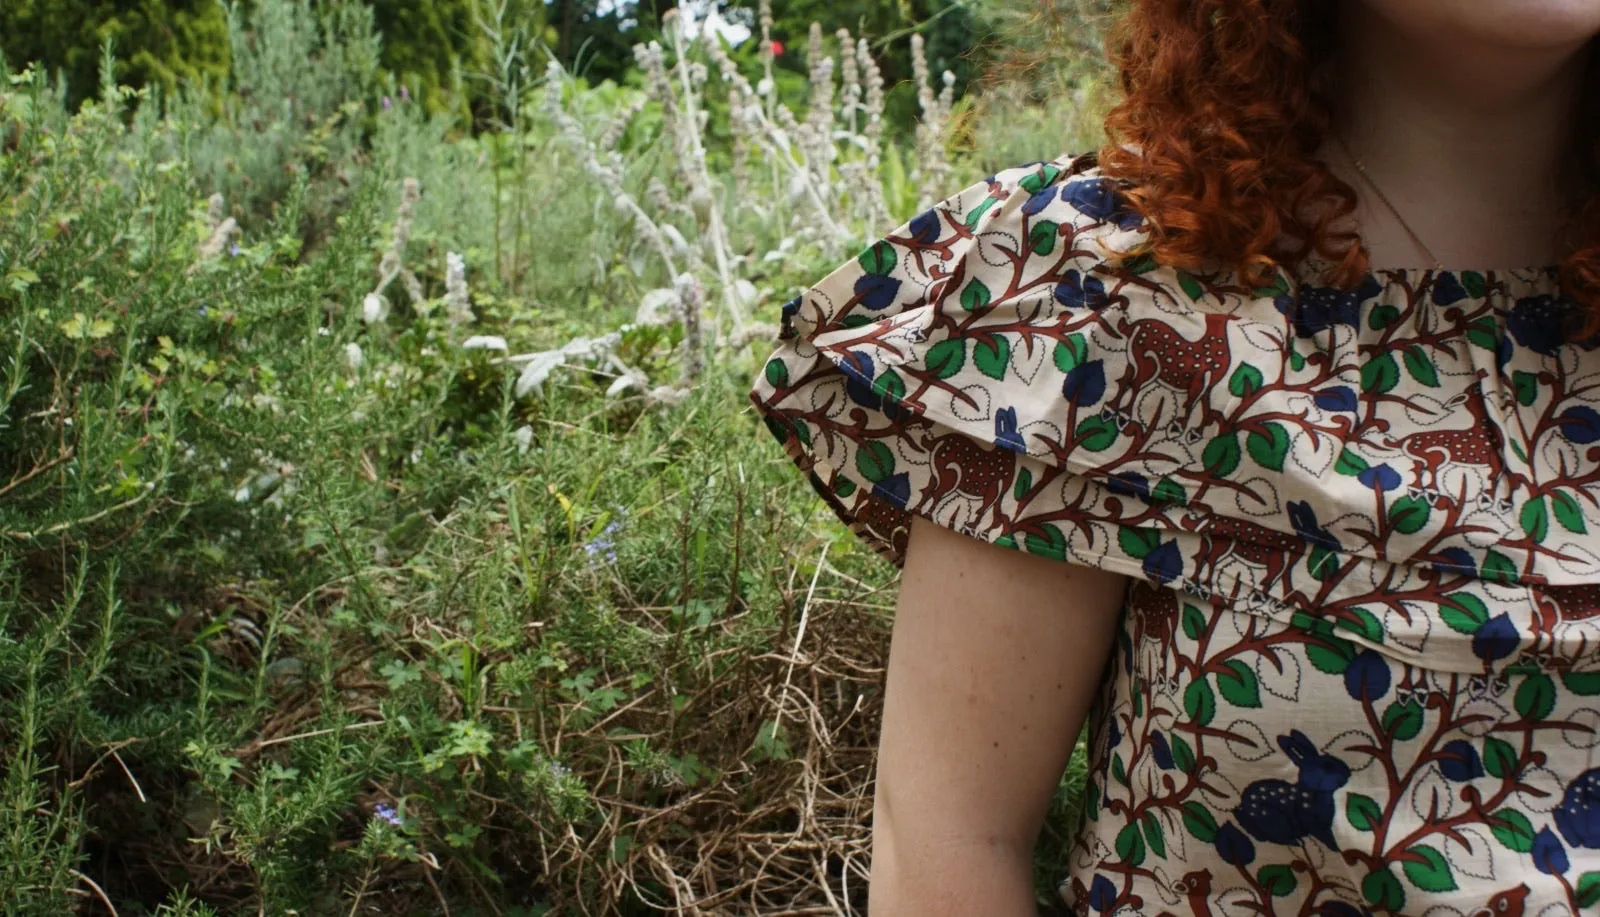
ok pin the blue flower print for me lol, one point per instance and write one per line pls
(1368, 677)
(896, 488)
(1447, 289)
(1579, 424)
(1549, 857)
(1102, 894)
(859, 371)
(877, 291)
(1233, 846)
(1085, 383)
(1336, 398)
(1076, 291)
(1039, 200)
(1321, 308)
(1459, 761)
(925, 227)
(1496, 639)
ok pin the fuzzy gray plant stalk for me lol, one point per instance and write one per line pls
(933, 166)
(872, 132)
(608, 174)
(458, 305)
(392, 265)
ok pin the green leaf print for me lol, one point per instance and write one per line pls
(1469, 614)
(1169, 491)
(1268, 445)
(1277, 880)
(1245, 380)
(1350, 463)
(1096, 434)
(1238, 684)
(875, 461)
(1482, 333)
(1200, 702)
(1382, 316)
(1588, 890)
(1135, 542)
(1429, 872)
(1049, 543)
(1409, 515)
(1200, 822)
(1583, 684)
(992, 356)
(1403, 721)
(1119, 771)
(1297, 360)
(1363, 812)
(1474, 283)
(1513, 829)
(1034, 182)
(890, 386)
(777, 373)
(1499, 758)
(1221, 455)
(1498, 567)
(1421, 367)
(1182, 754)
(879, 259)
(1526, 385)
(1024, 484)
(1382, 889)
(977, 213)
(1333, 657)
(947, 357)
(1568, 513)
(975, 296)
(1380, 375)
(1154, 836)
(843, 486)
(1364, 623)
(1042, 238)
(1191, 286)
(1535, 519)
(1536, 697)
(1071, 352)
(1194, 621)
(1323, 562)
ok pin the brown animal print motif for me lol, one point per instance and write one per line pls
(1358, 668)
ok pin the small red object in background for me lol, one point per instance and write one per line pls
(777, 48)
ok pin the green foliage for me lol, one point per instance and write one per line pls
(301, 611)
(159, 42)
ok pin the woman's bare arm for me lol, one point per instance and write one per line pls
(994, 660)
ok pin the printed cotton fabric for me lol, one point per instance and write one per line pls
(1357, 671)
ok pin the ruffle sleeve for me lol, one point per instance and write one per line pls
(1002, 367)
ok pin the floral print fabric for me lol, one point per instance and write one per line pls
(1358, 670)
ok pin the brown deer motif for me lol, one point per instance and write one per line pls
(1257, 545)
(961, 465)
(1479, 444)
(1159, 353)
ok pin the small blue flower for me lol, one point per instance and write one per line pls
(1549, 857)
(1459, 761)
(234, 250)
(386, 813)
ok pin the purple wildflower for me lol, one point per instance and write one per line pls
(386, 103)
(603, 542)
(234, 249)
(405, 94)
(387, 813)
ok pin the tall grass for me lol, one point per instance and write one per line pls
(308, 606)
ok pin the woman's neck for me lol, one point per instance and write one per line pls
(1471, 142)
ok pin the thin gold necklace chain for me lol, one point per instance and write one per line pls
(1437, 264)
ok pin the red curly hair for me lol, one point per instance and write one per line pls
(1224, 111)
